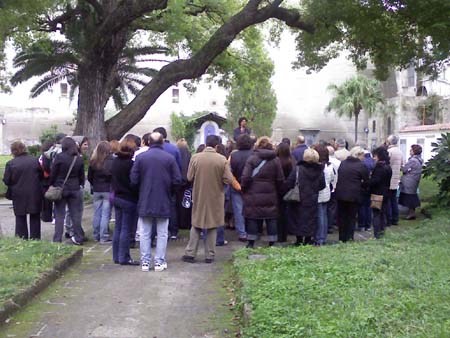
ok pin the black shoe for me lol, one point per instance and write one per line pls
(130, 262)
(67, 235)
(188, 259)
(209, 260)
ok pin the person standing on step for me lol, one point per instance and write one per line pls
(209, 172)
(157, 175)
(242, 129)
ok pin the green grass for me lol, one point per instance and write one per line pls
(22, 263)
(396, 287)
(3, 160)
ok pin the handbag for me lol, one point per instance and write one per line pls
(293, 195)
(55, 193)
(376, 201)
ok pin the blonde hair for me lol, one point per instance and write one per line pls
(356, 152)
(311, 156)
(263, 143)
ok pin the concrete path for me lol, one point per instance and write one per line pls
(100, 299)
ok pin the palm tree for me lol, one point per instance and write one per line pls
(60, 62)
(356, 94)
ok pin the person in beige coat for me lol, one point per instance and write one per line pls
(209, 172)
(396, 161)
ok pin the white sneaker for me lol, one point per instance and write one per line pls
(160, 267)
(145, 267)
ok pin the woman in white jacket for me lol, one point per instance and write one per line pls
(324, 194)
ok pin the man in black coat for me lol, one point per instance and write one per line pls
(353, 181)
(242, 129)
(23, 176)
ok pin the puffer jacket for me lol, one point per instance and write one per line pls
(330, 177)
(261, 193)
(396, 161)
(412, 172)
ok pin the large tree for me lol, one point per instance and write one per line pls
(389, 32)
(250, 93)
(354, 95)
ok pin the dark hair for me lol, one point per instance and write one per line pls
(69, 146)
(162, 131)
(284, 154)
(324, 155)
(212, 141)
(18, 148)
(200, 148)
(84, 139)
(242, 119)
(46, 145)
(417, 149)
(59, 137)
(286, 140)
(220, 148)
(382, 154)
(126, 148)
(136, 139)
(146, 139)
(244, 142)
(100, 154)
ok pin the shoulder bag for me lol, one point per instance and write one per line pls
(293, 195)
(55, 193)
(376, 201)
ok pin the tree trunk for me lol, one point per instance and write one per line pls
(92, 99)
(356, 113)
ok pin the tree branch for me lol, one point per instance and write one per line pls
(292, 18)
(97, 6)
(197, 65)
(51, 24)
(126, 12)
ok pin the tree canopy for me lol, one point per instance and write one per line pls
(198, 34)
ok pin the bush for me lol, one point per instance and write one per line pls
(438, 168)
(34, 150)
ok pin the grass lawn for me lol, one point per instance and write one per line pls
(22, 262)
(395, 287)
(3, 160)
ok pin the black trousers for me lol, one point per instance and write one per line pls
(380, 218)
(346, 218)
(22, 226)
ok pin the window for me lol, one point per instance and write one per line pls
(175, 95)
(411, 77)
(389, 125)
(64, 89)
(374, 126)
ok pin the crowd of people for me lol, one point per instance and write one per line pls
(156, 187)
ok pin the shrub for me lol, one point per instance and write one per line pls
(438, 168)
(34, 150)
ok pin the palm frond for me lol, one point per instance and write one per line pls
(45, 83)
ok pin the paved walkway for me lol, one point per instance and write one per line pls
(97, 298)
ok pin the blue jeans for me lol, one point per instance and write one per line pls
(162, 225)
(239, 220)
(125, 216)
(365, 213)
(102, 214)
(322, 229)
(220, 239)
